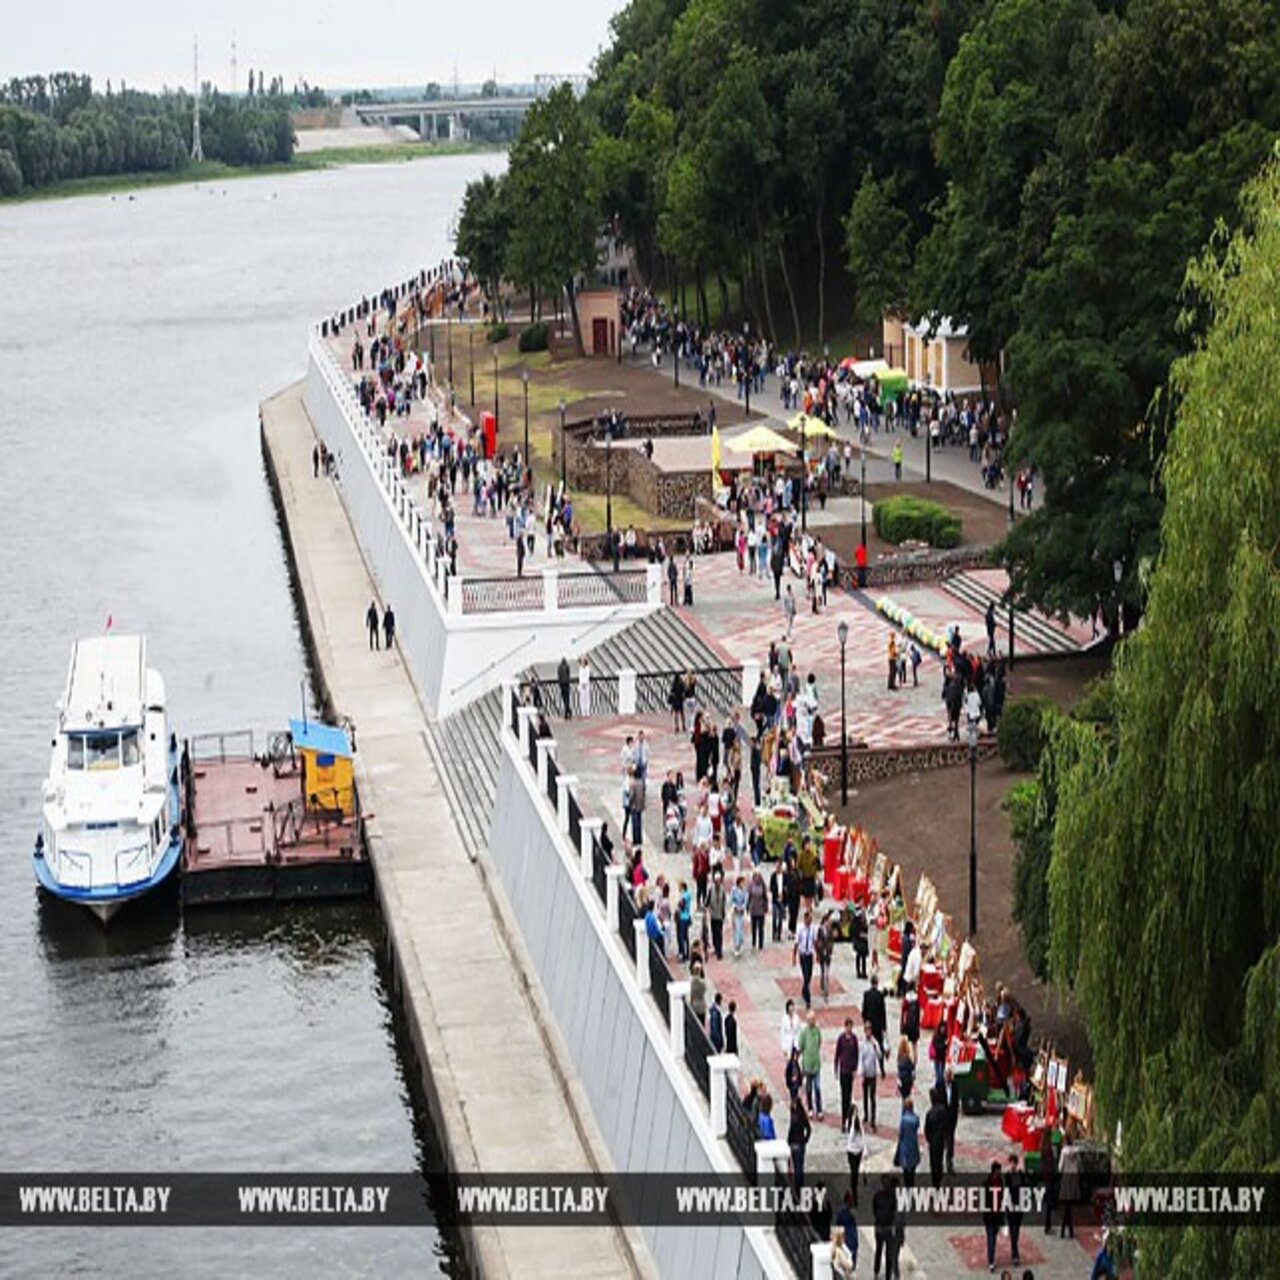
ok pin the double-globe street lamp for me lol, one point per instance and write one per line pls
(973, 709)
(842, 634)
(524, 378)
(564, 484)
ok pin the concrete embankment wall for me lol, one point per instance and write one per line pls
(453, 657)
(497, 1094)
(387, 549)
(647, 1109)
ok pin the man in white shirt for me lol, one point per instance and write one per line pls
(789, 1030)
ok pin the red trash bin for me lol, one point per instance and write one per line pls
(489, 425)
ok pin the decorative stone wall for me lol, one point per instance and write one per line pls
(869, 764)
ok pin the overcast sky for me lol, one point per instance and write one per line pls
(326, 42)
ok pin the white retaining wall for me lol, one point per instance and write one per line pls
(650, 1112)
(453, 657)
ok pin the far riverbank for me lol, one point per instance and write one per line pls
(216, 171)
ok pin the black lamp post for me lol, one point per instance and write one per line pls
(564, 483)
(973, 822)
(1011, 516)
(862, 487)
(471, 363)
(842, 633)
(928, 452)
(496, 419)
(804, 474)
(448, 330)
(608, 485)
(749, 370)
(675, 346)
(433, 350)
(524, 377)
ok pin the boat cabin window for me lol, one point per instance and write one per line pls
(101, 750)
(129, 747)
(75, 751)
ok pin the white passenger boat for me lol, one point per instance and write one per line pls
(111, 822)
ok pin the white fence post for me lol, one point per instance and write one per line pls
(677, 994)
(821, 1255)
(546, 747)
(722, 1065)
(590, 833)
(642, 953)
(653, 584)
(612, 876)
(768, 1152)
(455, 596)
(550, 590)
(626, 692)
(565, 782)
(527, 717)
(750, 678)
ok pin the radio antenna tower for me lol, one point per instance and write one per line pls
(197, 151)
(235, 70)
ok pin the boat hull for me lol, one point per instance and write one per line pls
(103, 903)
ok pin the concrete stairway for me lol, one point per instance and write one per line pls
(466, 748)
(659, 642)
(1042, 634)
(466, 744)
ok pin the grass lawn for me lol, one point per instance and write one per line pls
(216, 171)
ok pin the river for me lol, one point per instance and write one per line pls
(137, 336)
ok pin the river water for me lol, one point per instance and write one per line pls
(137, 337)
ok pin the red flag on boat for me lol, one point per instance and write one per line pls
(108, 626)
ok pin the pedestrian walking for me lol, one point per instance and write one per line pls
(811, 1063)
(846, 1067)
(388, 625)
(1013, 1185)
(869, 1062)
(757, 909)
(884, 1214)
(906, 1155)
(855, 1147)
(799, 1131)
(738, 913)
(562, 679)
(789, 609)
(731, 1028)
(803, 953)
(315, 461)
(992, 1217)
(716, 904)
(715, 1023)
(371, 622)
(935, 1135)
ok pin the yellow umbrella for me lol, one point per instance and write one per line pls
(817, 427)
(760, 439)
(715, 450)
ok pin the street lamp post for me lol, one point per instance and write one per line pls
(448, 329)
(750, 370)
(804, 475)
(862, 487)
(564, 483)
(973, 817)
(496, 419)
(928, 453)
(471, 363)
(1011, 516)
(842, 633)
(433, 350)
(608, 485)
(524, 377)
(675, 347)
(1117, 570)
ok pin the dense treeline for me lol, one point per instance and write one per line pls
(57, 127)
(1042, 171)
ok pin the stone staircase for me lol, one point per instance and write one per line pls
(467, 750)
(466, 745)
(1042, 634)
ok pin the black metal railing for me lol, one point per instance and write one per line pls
(740, 1133)
(553, 772)
(627, 920)
(575, 822)
(502, 595)
(795, 1235)
(659, 977)
(598, 863)
(601, 700)
(697, 1049)
(718, 687)
(533, 751)
(582, 590)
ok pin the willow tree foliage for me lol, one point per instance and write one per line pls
(1165, 878)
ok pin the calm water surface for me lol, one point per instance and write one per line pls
(136, 340)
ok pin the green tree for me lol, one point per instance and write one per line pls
(877, 248)
(554, 221)
(484, 232)
(1165, 885)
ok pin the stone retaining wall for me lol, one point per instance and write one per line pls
(870, 764)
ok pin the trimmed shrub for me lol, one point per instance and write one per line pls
(904, 518)
(1097, 705)
(496, 333)
(1021, 735)
(534, 337)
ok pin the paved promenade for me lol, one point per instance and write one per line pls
(502, 1104)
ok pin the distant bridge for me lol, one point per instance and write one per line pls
(429, 113)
